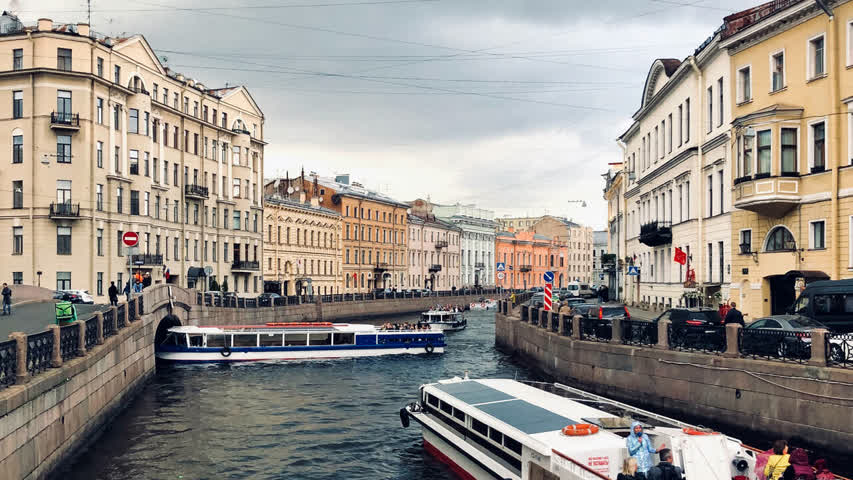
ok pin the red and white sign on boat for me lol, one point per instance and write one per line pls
(547, 300)
(130, 239)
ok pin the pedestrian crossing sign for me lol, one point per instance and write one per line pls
(632, 270)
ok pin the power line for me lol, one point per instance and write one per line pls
(241, 7)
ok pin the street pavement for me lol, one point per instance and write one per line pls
(34, 317)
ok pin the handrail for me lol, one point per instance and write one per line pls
(582, 466)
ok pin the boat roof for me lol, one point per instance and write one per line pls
(529, 415)
(441, 312)
(276, 328)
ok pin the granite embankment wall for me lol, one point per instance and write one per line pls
(777, 399)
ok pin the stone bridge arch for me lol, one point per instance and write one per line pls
(170, 306)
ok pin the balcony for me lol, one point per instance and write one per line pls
(195, 191)
(243, 131)
(525, 268)
(146, 259)
(745, 248)
(65, 120)
(380, 267)
(772, 197)
(434, 268)
(441, 244)
(140, 89)
(65, 210)
(656, 233)
(245, 266)
(480, 266)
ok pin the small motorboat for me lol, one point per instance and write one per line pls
(443, 320)
(484, 304)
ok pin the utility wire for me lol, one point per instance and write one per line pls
(243, 7)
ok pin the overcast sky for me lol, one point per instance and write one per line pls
(510, 104)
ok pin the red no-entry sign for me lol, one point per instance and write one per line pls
(130, 239)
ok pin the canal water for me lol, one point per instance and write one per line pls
(311, 420)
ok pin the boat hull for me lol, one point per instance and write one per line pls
(254, 355)
(447, 327)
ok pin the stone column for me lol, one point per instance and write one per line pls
(134, 304)
(126, 312)
(81, 345)
(819, 339)
(561, 319)
(576, 327)
(732, 334)
(100, 335)
(616, 329)
(56, 355)
(663, 337)
(21, 375)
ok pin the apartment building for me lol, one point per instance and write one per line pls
(434, 249)
(578, 239)
(477, 250)
(106, 140)
(528, 255)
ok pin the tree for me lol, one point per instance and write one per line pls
(214, 285)
(225, 285)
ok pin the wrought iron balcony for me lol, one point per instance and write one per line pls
(241, 130)
(525, 268)
(434, 268)
(146, 259)
(441, 244)
(140, 90)
(195, 191)
(745, 248)
(65, 120)
(656, 233)
(479, 265)
(773, 196)
(245, 266)
(65, 210)
(380, 267)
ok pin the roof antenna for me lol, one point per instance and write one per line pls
(89, 13)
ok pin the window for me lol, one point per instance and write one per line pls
(720, 101)
(17, 104)
(780, 240)
(134, 202)
(134, 162)
(669, 135)
(165, 96)
(99, 197)
(818, 132)
(817, 234)
(710, 195)
(18, 194)
(816, 57)
(100, 67)
(18, 149)
(17, 240)
(63, 280)
(63, 106)
(710, 107)
(764, 139)
(777, 71)
(99, 242)
(722, 197)
(18, 59)
(235, 191)
(154, 92)
(236, 220)
(117, 74)
(119, 200)
(133, 124)
(100, 111)
(145, 164)
(63, 149)
(687, 120)
(745, 241)
(789, 151)
(63, 59)
(117, 117)
(63, 240)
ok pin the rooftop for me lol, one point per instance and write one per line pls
(737, 22)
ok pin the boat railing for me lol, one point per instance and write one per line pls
(579, 469)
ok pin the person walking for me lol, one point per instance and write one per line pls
(640, 447)
(127, 289)
(7, 300)
(629, 469)
(778, 462)
(665, 470)
(113, 293)
(734, 315)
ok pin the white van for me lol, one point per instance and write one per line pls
(574, 289)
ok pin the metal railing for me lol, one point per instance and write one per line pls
(568, 326)
(441, 244)
(8, 363)
(639, 332)
(596, 330)
(69, 341)
(121, 313)
(192, 190)
(775, 344)
(245, 265)
(139, 304)
(64, 210)
(697, 338)
(66, 119)
(147, 259)
(131, 314)
(39, 351)
(839, 350)
(91, 333)
(232, 301)
(109, 323)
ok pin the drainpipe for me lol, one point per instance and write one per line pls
(698, 167)
(834, 43)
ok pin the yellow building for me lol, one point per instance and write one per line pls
(791, 142)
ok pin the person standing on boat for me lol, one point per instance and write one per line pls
(665, 470)
(629, 469)
(640, 447)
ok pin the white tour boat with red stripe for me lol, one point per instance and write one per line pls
(293, 341)
(505, 429)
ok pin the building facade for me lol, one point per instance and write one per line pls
(614, 194)
(675, 178)
(528, 256)
(302, 248)
(599, 249)
(578, 239)
(793, 138)
(105, 140)
(434, 249)
(477, 251)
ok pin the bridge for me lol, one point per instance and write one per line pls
(736, 383)
(61, 386)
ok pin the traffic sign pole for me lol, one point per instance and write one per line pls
(547, 301)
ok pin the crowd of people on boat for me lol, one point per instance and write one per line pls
(775, 464)
(447, 308)
(405, 327)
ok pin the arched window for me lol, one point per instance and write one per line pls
(780, 240)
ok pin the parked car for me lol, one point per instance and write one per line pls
(266, 299)
(67, 296)
(759, 337)
(538, 300)
(829, 302)
(605, 315)
(586, 292)
(85, 296)
(696, 327)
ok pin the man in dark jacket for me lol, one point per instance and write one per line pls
(734, 315)
(113, 293)
(7, 300)
(665, 470)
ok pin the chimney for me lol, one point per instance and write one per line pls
(83, 29)
(302, 196)
(315, 201)
(45, 25)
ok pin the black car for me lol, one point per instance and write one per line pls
(765, 337)
(604, 314)
(829, 302)
(267, 299)
(67, 297)
(695, 327)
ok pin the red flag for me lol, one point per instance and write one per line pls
(680, 256)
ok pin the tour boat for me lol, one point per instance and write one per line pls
(505, 429)
(293, 341)
(443, 320)
(484, 305)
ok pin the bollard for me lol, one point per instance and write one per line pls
(663, 334)
(81, 345)
(21, 375)
(100, 335)
(616, 331)
(576, 327)
(818, 347)
(56, 355)
(732, 335)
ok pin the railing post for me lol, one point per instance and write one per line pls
(576, 327)
(616, 331)
(561, 318)
(663, 335)
(818, 347)
(56, 355)
(21, 375)
(100, 335)
(732, 335)
(81, 345)
(126, 314)
(135, 306)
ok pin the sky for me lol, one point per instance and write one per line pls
(512, 105)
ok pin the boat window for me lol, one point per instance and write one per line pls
(479, 427)
(216, 340)
(512, 445)
(270, 339)
(432, 400)
(447, 408)
(496, 436)
(172, 339)
(196, 341)
(459, 414)
(344, 338)
(246, 340)
(295, 339)
(320, 338)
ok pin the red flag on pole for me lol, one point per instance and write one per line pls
(680, 256)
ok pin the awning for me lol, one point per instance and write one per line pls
(194, 272)
(810, 275)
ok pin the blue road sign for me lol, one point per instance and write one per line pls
(548, 276)
(632, 270)
(501, 267)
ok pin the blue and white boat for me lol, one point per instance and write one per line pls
(443, 320)
(293, 341)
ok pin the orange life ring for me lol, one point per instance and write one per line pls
(693, 431)
(580, 429)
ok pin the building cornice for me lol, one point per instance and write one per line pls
(775, 24)
(668, 165)
(715, 142)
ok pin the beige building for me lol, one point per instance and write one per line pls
(434, 249)
(578, 238)
(105, 140)
(793, 139)
(302, 249)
